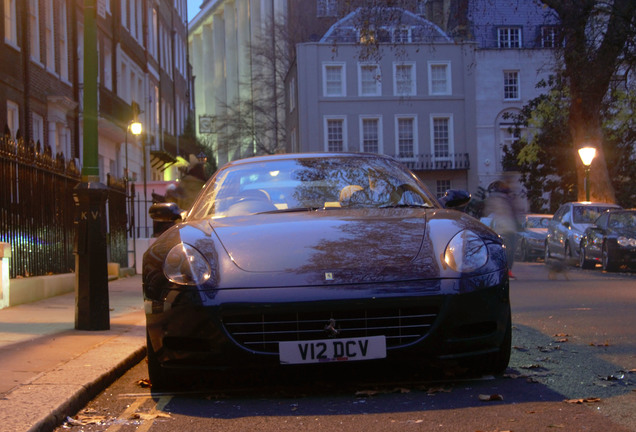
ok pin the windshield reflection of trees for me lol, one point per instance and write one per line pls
(315, 183)
(622, 220)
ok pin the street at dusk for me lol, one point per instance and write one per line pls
(318, 215)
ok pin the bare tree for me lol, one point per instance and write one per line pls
(255, 121)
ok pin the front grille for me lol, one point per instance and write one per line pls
(263, 332)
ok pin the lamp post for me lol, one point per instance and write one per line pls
(587, 155)
(90, 196)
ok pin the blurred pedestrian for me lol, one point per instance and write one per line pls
(501, 208)
(187, 189)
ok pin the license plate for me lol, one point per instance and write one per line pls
(332, 350)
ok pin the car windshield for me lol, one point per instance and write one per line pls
(588, 214)
(622, 220)
(286, 185)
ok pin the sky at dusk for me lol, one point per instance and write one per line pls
(193, 8)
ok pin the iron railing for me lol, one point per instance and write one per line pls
(38, 211)
(36, 208)
(430, 162)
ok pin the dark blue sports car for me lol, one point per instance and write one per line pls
(322, 258)
(611, 241)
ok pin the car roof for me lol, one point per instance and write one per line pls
(592, 204)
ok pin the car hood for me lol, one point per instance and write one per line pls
(580, 228)
(322, 240)
(537, 232)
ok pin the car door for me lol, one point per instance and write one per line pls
(595, 237)
(554, 232)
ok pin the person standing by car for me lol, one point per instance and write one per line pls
(501, 209)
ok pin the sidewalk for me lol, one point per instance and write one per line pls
(49, 370)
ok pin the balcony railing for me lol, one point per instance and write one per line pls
(429, 162)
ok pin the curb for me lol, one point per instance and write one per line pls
(86, 393)
(43, 403)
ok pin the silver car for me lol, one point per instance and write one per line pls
(568, 225)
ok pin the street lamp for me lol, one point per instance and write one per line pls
(587, 156)
(135, 128)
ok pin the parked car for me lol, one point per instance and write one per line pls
(611, 241)
(531, 238)
(322, 258)
(568, 225)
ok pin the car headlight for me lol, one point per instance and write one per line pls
(184, 265)
(466, 252)
(626, 241)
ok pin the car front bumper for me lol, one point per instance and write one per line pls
(438, 319)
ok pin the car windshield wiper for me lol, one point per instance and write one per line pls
(291, 210)
(406, 206)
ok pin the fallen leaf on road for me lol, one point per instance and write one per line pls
(386, 391)
(490, 398)
(149, 416)
(604, 344)
(532, 366)
(82, 420)
(583, 400)
(434, 390)
(144, 383)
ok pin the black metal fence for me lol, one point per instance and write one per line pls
(117, 222)
(37, 210)
(429, 162)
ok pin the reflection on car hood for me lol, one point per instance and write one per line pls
(537, 232)
(322, 240)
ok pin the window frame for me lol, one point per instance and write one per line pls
(343, 120)
(549, 34)
(13, 117)
(450, 136)
(11, 23)
(377, 80)
(49, 35)
(34, 29)
(505, 37)
(378, 120)
(37, 126)
(343, 81)
(291, 92)
(326, 8)
(413, 118)
(442, 186)
(508, 87)
(63, 43)
(413, 79)
(397, 34)
(448, 80)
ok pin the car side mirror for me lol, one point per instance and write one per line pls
(165, 212)
(455, 199)
(566, 224)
